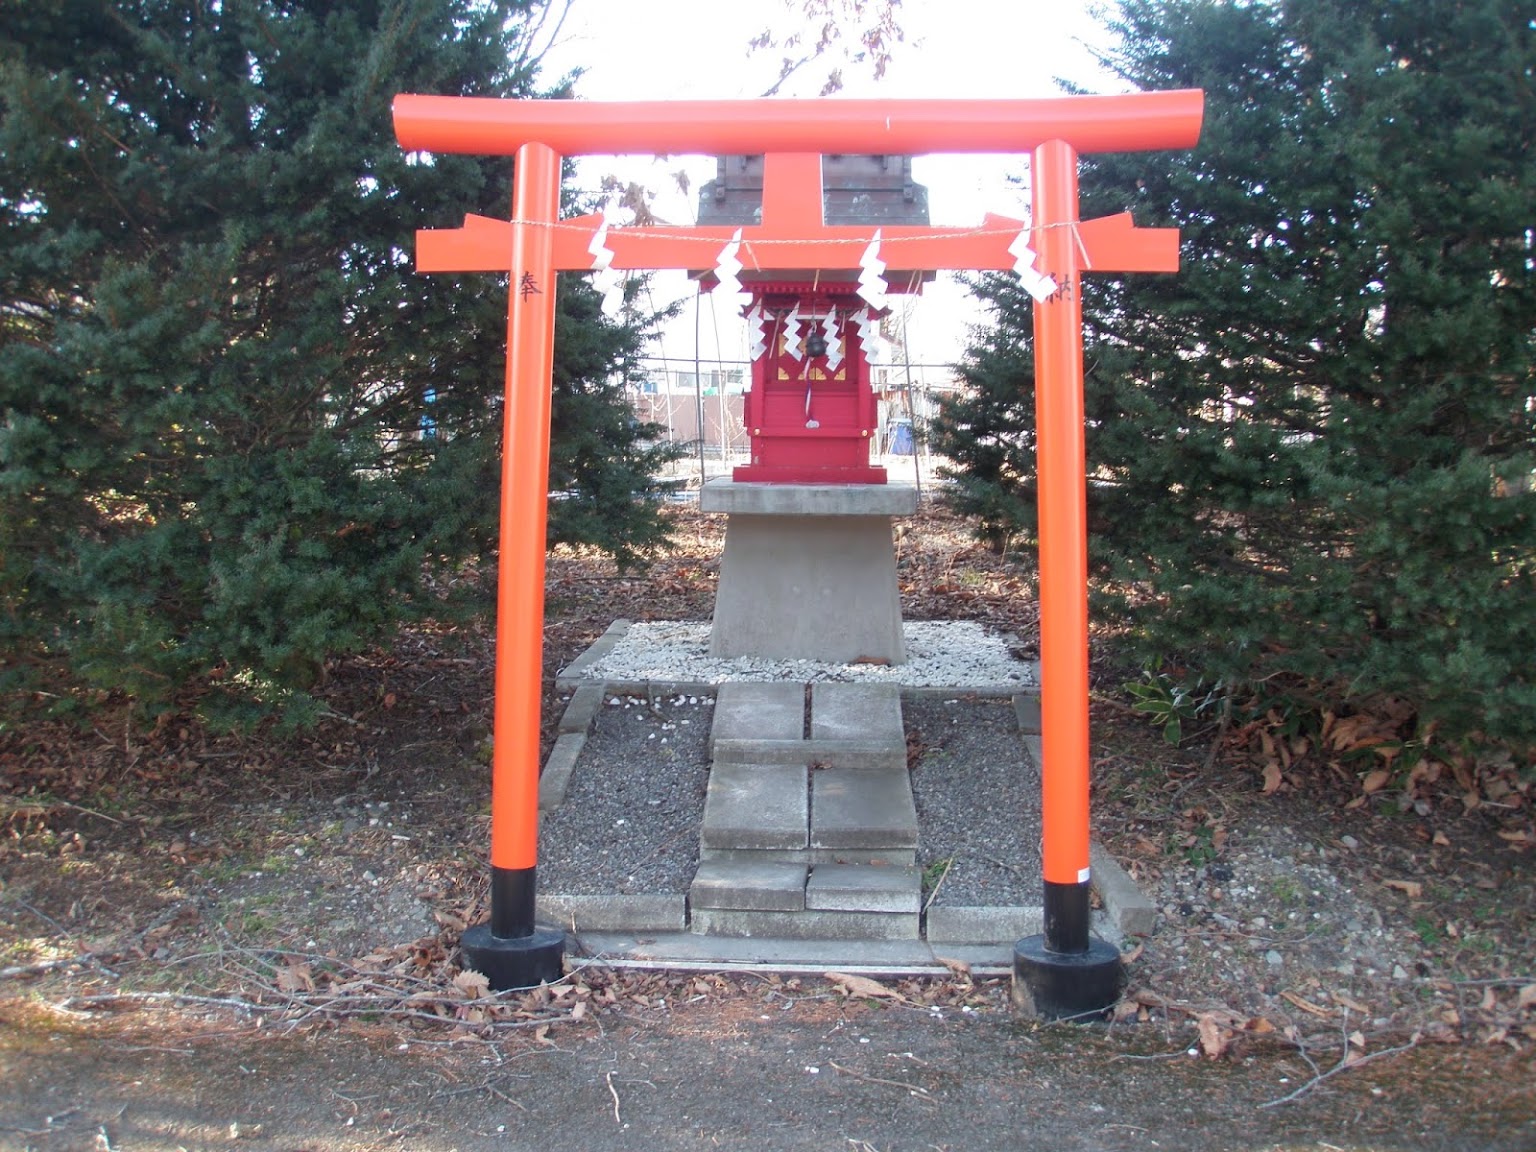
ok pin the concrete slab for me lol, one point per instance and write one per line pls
(805, 925)
(755, 806)
(582, 709)
(744, 711)
(691, 952)
(864, 888)
(856, 712)
(558, 768)
(809, 588)
(862, 808)
(638, 912)
(754, 885)
(633, 684)
(751, 499)
(857, 726)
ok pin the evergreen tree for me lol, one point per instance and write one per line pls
(235, 423)
(1311, 450)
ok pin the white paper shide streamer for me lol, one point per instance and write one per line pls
(759, 327)
(794, 343)
(876, 350)
(606, 279)
(1040, 286)
(872, 275)
(831, 331)
(728, 272)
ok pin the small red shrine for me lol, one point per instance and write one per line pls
(811, 413)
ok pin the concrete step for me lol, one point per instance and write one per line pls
(858, 725)
(852, 725)
(858, 808)
(883, 857)
(778, 886)
(749, 885)
(756, 806)
(864, 888)
(807, 925)
(748, 714)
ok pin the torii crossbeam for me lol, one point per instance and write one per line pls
(1064, 971)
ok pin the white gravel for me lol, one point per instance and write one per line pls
(940, 654)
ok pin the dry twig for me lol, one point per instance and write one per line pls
(1344, 1063)
(915, 1089)
(612, 1091)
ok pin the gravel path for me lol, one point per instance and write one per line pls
(635, 802)
(940, 654)
(978, 801)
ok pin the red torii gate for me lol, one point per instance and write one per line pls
(1064, 971)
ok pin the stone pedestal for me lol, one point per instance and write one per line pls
(809, 571)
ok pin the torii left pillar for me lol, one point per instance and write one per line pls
(510, 948)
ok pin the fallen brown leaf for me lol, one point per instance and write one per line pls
(863, 986)
(1410, 888)
(1352, 1005)
(473, 984)
(1215, 1036)
(1272, 777)
(1305, 1005)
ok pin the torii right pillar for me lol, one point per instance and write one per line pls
(1065, 972)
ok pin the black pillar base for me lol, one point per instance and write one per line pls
(1065, 985)
(516, 961)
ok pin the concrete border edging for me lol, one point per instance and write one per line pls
(581, 711)
(573, 675)
(558, 768)
(635, 912)
(1124, 903)
(968, 924)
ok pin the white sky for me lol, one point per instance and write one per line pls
(697, 49)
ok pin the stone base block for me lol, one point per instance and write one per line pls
(805, 925)
(808, 588)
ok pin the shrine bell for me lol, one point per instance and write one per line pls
(811, 412)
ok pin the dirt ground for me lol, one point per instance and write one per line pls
(252, 941)
(768, 1068)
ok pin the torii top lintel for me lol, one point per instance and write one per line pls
(792, 134)
(1134, 122)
